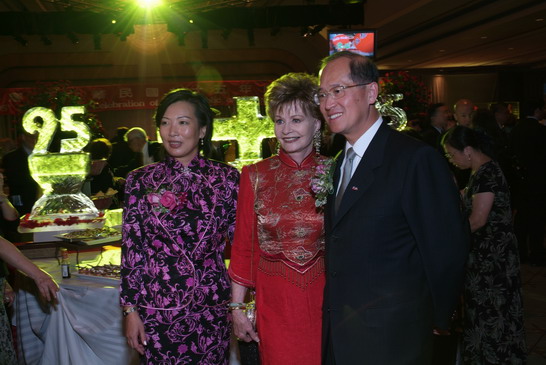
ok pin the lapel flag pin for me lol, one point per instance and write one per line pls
(355, 188)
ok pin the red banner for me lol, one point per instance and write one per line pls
(138, 96)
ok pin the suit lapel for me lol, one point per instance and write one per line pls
(364, 175)
(332, 197)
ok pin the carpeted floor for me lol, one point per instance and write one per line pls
(534, 306)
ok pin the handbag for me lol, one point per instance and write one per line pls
(249, 351)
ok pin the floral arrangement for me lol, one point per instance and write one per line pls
(416, 95)
(322, 184)
(164, 200)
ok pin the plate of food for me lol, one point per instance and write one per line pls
(92, 236)
(109, 274)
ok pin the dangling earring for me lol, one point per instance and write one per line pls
(278, 146)
(201, 142)
(317, 140)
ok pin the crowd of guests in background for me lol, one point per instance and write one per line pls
(409, 228)
(519, 147)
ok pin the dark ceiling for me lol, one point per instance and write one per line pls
(429, 34)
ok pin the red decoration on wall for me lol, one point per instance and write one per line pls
(139, 96)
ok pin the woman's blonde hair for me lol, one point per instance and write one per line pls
(293, 88)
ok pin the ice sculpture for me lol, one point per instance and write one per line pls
(248, 127)
(60, 175)
(398, 115)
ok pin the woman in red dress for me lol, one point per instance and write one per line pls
(279, 239)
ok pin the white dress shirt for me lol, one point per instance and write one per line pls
(360, 147)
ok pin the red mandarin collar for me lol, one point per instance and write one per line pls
(287, 160)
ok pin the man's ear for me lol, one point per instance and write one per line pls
(373, 92)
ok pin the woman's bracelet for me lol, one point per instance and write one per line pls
(234, 306)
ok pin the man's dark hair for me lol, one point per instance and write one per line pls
(362, 69)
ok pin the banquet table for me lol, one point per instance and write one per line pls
(83, 327)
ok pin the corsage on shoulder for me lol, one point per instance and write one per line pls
(322, 184)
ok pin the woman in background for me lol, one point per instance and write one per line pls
(279, 238)
(177, 217)
(493, 331)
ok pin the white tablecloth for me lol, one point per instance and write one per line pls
(83, 328)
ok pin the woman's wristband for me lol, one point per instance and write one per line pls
(128, 311)
(235, 306)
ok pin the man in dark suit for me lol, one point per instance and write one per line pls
(395, 242)
(438, 115)
(528, 141)
(23, 190)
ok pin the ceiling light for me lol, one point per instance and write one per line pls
(539, 19)
(148, 4)
(483, 37)
(311, 31)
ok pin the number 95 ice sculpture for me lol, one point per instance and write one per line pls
(60, 175)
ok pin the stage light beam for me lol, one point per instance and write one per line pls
(148, 4)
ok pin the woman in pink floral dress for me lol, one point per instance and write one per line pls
(178, 215)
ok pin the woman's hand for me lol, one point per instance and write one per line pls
(9, 294)
(242, 328)
(46, 285)
(134, 332)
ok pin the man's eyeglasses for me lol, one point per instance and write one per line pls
(335, 92)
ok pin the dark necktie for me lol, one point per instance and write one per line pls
(347, 170)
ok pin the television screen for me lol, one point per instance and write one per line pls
(357, 41)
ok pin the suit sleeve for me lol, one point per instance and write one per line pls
(432, 207)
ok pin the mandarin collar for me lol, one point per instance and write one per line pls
(195, 163)
(287, 160)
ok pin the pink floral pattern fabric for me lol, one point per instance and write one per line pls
(176, 223)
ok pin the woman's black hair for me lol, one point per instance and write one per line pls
(100, 148)
(460, 137)
(203, 112)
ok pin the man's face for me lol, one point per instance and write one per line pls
(136, 142)
(440, 118)
(350, 115)
(502, 116)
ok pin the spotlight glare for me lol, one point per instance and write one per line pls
(148, 4)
